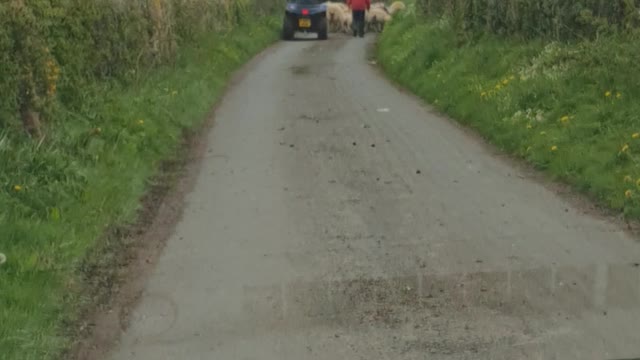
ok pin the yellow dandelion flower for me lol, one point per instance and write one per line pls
(627, 179)
(51, 90)
(607, 94)
(624, 148)
(98, 130)
(498, 87)
(618, 95)
(543, 133)
(17, 188)
(564, 119)
(554, 148)
(628, 194)
(140, 122)
(505, 82)
(635, 135)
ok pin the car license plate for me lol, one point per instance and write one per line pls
(304, 23)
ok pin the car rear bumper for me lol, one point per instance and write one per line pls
(309, 23)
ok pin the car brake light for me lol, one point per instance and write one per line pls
(305, 12)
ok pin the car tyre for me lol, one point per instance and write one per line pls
(323, 29)
(287, 29)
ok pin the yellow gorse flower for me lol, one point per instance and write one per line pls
(53, 74)
(51, 90)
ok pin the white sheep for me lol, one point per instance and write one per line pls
(378, 5)
(338, 16)
(396, 6)
(344, 7)
(334, 16)
(376, 18)
(347, 22)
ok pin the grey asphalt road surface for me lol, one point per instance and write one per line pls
(336, 217)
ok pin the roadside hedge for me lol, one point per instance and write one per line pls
(555, 19)
(50, 49)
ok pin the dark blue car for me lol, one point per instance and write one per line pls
(308, 16)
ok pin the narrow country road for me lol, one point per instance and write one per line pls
(335, 217)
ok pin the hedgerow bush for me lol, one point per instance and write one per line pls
(106, 89)
(49, 49)
(557, 19)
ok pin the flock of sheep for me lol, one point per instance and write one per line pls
(340, 19)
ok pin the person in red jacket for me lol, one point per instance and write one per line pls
(358, 8)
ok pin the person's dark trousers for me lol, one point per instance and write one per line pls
(358, 22)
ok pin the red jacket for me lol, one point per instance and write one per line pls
(359, 5)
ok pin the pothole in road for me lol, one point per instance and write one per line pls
(300, 69)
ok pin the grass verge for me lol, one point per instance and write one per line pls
(88, 176)
(569, 109)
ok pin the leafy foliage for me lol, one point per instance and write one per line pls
(117, 82)
(49, 49)
(556, 19)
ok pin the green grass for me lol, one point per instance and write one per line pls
(59, 197)
(518, 95)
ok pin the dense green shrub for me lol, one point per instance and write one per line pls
(50, 49)
(115, 83)
(557, 19)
